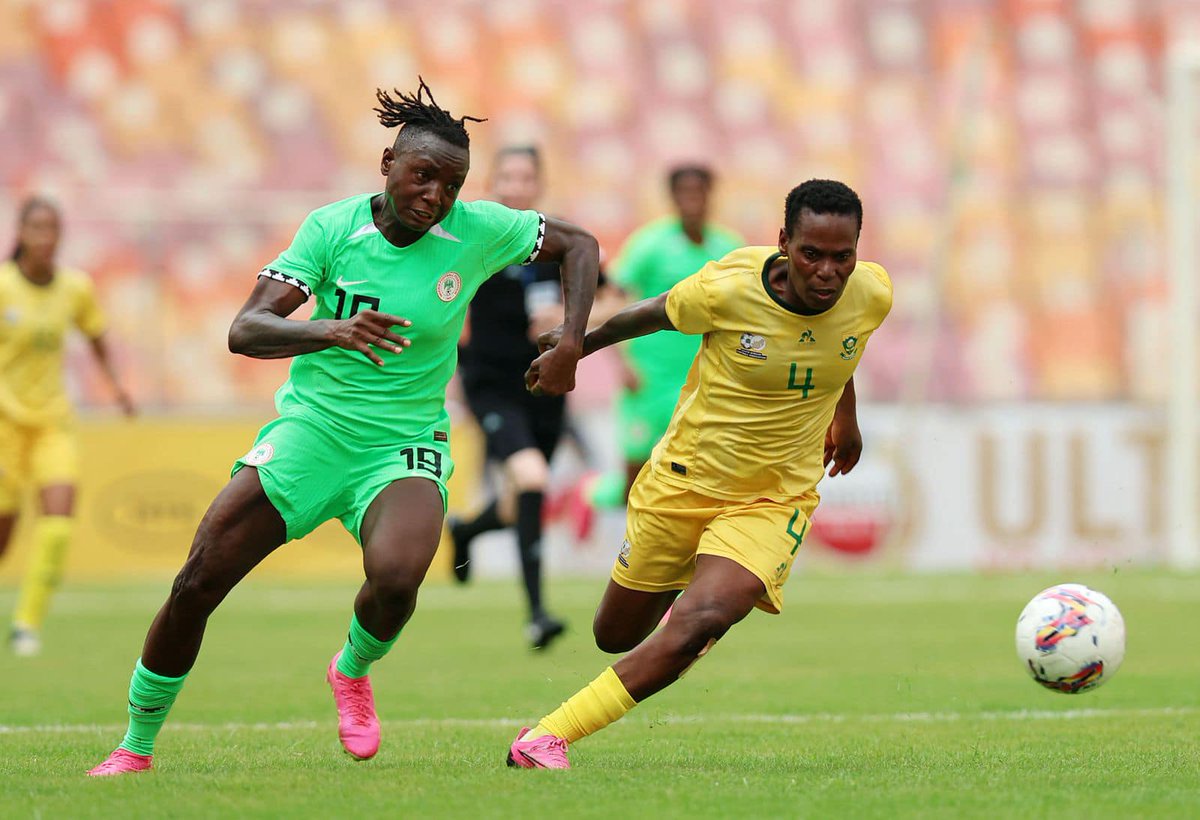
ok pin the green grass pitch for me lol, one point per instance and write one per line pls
(868, 697)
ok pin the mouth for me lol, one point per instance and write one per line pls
(824, 294)
(421, 216)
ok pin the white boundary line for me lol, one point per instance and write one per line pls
(791, 719)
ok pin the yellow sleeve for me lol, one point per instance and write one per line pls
(689, 303)
(89, 318)
(881, 292)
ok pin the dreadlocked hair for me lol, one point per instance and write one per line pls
(410, 111)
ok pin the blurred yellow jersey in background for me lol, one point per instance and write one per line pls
(34, 320)
(761, 392)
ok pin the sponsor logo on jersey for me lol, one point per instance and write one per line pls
(752, 345)
(260, 454)
(623, 555)
(807, 338)
(449, 286)
(849, 347)
(344, 284)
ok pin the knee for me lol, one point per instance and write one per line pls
(201, 585)
(613, 641)
(691, 631)
(529, 471)
(395, 591)
(197, 588)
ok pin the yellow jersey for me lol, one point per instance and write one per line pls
(34, 320)
(762, 390)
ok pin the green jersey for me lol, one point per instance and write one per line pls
(339, 256)
(655, 258)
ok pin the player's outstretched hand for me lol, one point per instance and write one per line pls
(370, 328)
(843, 444)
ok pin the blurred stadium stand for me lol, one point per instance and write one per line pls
(186, 142)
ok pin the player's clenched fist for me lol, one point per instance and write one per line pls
(370, 328)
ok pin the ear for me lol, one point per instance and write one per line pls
(385, 163)
(783, 240)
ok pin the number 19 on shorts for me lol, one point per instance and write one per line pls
(423, 458)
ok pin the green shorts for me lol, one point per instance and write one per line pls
(643, 418)
(311, 473)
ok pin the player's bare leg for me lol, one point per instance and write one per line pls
(400, 534)
(722, 593)
(51, 536)
(626, 616)
(8, 524)
(240, 528)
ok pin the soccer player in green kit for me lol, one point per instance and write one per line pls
(654, 259)
(362, 433)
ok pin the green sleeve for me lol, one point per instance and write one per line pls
(510, 237)
(304, 263)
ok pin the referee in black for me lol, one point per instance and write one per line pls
(522, 430)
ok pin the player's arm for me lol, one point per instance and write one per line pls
(103, 357)
(262, 329)
(639, 319)
(578, 254)
(843, 440)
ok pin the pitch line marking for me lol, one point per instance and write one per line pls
(816, 717)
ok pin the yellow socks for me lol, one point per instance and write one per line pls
(598, 704)
(51, 535)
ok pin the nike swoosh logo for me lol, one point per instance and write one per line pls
(342, 284)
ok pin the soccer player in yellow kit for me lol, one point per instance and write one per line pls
(724, 503)
(39, 302)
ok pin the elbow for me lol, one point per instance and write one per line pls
(586, 246)
(239, 341)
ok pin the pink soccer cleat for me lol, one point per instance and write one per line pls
(358, 725)
(545, 752)
(122, 761)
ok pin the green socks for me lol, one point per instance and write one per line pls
(150, 698)
(361, 650)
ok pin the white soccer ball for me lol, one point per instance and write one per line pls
(1070, 638)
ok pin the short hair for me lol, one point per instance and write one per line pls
(413, 115)
(681, 172)
(30, 205)
(821, 196)
(531, 151)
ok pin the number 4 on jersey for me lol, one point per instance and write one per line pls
(806, 386)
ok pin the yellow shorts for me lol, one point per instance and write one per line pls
(668, 527)
(41, 456)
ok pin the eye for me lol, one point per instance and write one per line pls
(452, 188)
(809, 254)
(421, 174)
(843, 257)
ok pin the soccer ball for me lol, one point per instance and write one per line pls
(1071, 638)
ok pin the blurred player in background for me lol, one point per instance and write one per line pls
(521, 430)
(653, 260)
(723, 505)
(39, 302)
(362, 434)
